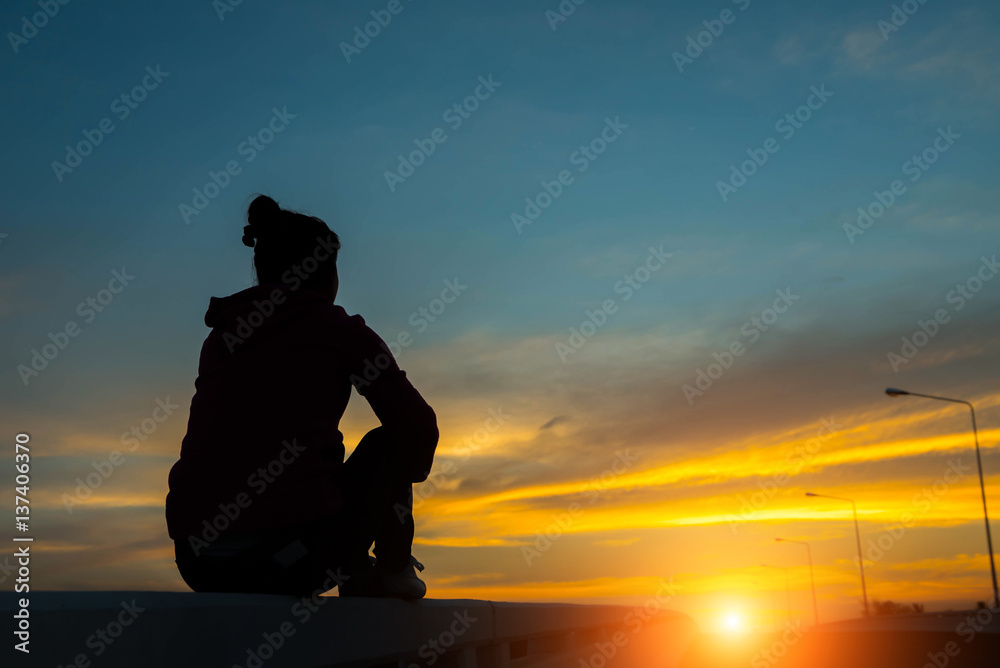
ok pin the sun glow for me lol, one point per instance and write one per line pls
(732, 623)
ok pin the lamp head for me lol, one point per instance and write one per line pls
(893, 392)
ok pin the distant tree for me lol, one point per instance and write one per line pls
(885, 608)
(980, 605)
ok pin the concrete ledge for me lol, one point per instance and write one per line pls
(154, 629)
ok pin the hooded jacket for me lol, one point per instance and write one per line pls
(263, 445)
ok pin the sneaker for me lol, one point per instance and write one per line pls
(405, 583)
(376, 582)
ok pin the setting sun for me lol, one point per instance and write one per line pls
(733, 623)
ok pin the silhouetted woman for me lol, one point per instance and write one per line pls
(261, 499)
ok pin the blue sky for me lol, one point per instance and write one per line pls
(656, 184)
(452, 218)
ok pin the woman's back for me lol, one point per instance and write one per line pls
(264, 418)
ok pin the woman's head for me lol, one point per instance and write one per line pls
(291, 247)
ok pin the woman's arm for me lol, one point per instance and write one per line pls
(405, 414)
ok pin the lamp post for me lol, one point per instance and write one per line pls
(812, 577)
(893, 392)
(788, 591)
(857, 535)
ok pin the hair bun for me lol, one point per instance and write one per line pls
(262, 215)
(263, 211)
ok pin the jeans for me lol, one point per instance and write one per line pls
(302, 559)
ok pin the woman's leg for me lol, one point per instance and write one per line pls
(298, 560)
(378, 501)
(378, 508)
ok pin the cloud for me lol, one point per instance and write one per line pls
(957, 56)
(617, 542)
(862, 48)
(559, 419)
(790, 50)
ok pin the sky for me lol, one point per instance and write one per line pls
(695, 242)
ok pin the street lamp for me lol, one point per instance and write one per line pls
(857, 535)
(893, 392)
(812, 577)
(788, 591)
